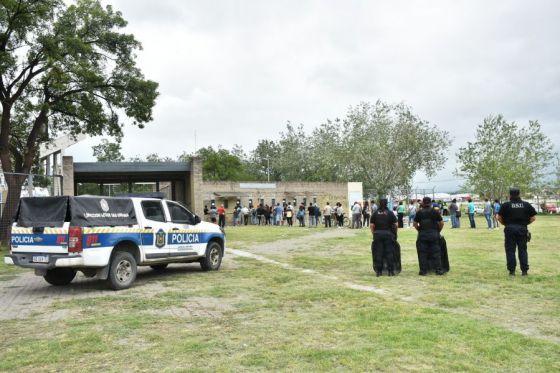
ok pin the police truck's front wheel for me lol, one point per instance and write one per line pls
(60, 276)
(122, 270)
(213, 258)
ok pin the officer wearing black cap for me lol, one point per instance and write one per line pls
(428, 223)
(383, 225)
(516, 215)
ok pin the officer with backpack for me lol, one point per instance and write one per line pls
(383, 226)
(429, 223)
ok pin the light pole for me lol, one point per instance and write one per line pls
(268, 169)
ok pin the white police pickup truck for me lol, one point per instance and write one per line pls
(109, 237)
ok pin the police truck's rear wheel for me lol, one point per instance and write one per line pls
(158, 267)
(213, 258)
(122, 270)
(60, 276)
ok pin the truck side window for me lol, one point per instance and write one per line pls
(179, 214)
(153, 210)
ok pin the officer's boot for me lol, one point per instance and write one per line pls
(512, 273)
(391, 272)
(524, 273)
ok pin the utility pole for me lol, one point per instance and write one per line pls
(268, 169)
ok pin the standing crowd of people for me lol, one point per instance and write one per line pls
(491, 210)
(279, 214)
(359, 215)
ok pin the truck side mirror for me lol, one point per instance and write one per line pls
(196, 219)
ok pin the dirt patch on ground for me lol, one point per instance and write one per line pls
(206, 307)
(291, 245)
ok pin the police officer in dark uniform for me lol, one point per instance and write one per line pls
(515, 215)
(429, 223)
(383, 225)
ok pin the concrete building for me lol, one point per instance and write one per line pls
(229, 193)
(183, 182)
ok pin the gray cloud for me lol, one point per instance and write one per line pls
(235, 72)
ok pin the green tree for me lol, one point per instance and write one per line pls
(108, 151)
(503, 155)
(379, 144)
(292, 149)
(385, 145)
(64, 69)
(264, 161)
(154, 157)
(556, 183)
(220, 164)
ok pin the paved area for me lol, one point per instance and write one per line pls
(27, 294)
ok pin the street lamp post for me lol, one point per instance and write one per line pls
(268, 169)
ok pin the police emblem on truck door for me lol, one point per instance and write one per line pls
(160, 239)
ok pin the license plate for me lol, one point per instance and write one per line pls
(40, 259)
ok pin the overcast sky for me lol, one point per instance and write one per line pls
(237, 71)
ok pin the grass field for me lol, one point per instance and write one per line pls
(323, 310)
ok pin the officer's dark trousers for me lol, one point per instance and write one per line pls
(428, 245)
(383, 246)
(516, 236)
(327, 221)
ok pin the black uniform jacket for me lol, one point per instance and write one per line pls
(383, 220)
(517, 212)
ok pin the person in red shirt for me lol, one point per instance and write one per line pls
(221, 216)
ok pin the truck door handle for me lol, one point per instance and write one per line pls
(147, 227)
(175, 229)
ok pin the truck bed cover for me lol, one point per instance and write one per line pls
(80, 211)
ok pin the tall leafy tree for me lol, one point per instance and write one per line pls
(154, 157)
(503, 155)
(220, 164)
(327, 151)
(380, 144)
(294, 162)
(108, 151)
(64, 69)
(556, 181)
(264, 161)
(386, 145)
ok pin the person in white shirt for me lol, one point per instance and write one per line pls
(356, 215)
(327, 212)
(411, 213)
